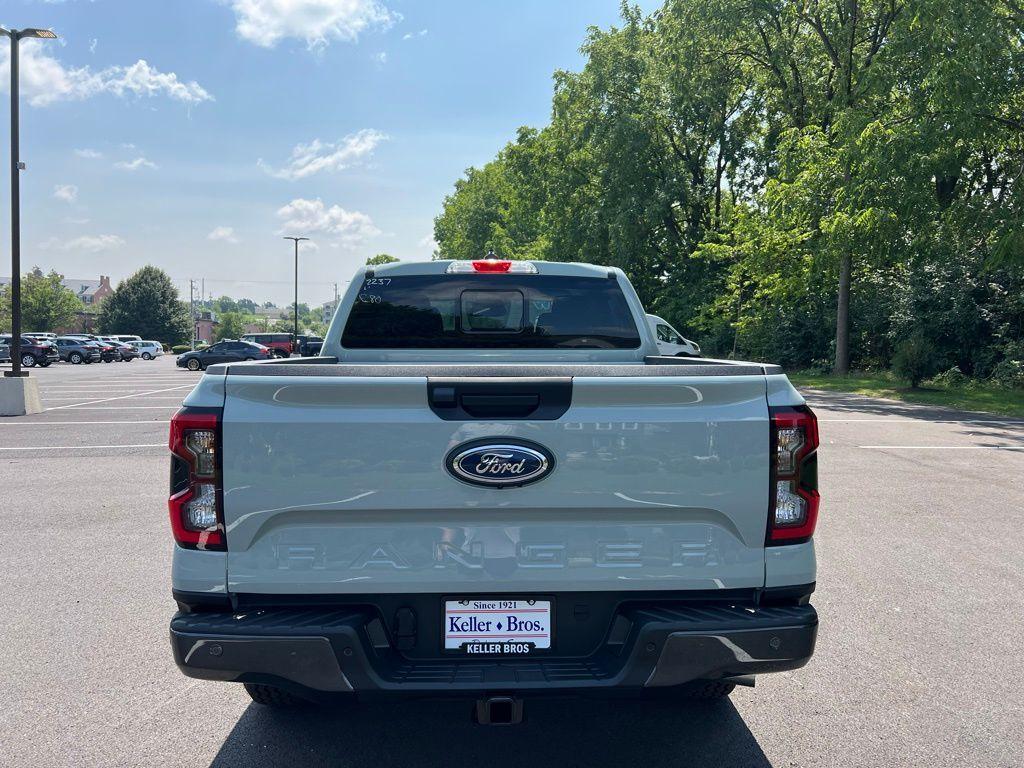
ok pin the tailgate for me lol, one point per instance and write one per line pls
(343, 485)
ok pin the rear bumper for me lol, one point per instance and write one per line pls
(337, 650)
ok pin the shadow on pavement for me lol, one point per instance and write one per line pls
(557, 732)
(863, 404)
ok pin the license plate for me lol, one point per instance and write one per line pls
(502, 627)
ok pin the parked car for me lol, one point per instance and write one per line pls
(108, 352)
(148, 349)
(34, 351)
(126, 350)
(43, 336)
(5, 353)
(612, 520)
(670, 341)
(123, 337)
(308, 345)
(226, 351)
(77, 351)
(280, 344)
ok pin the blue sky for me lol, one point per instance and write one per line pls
(344, 120)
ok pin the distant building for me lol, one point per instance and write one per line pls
(327, 311)
(272, 313)
(90, 291)
(205, 325)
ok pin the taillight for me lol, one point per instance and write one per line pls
(196, 503)
(794, 497)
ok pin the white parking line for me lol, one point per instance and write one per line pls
(911, 419)
(48, 423)
(78, 447)
(122, 397)
(946, 447)
(125, 407)
(140, 394)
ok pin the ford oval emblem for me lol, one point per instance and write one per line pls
(499, 463)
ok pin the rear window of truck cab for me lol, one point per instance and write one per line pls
(502, 311)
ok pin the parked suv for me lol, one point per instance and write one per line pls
(280, 344)
(148, 349)
(309, 346)
(5, 353)
(76, 351)
(34, 351)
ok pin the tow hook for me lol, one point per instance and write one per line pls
(499, 710)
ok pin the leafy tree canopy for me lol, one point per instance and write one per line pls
(147, 304)
(800, 181)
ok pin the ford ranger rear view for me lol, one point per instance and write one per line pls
(490, 485)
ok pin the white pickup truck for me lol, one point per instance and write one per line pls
(490, 485)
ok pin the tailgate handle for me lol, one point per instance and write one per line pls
(499, 398)
(500, 406)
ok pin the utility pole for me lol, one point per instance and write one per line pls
(295, 307)
(17, 167)
(192, 313)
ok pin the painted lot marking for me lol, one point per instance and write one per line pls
(912, 419)
(79, 447)
(945, 447)
(65, 399)
(123, 397)
(125, 407)
(48, 423)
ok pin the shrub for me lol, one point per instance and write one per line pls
(954, 377)
(914, 360)
(1009, 374)
(179, 349)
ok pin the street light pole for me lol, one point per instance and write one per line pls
(16, 167)
(295, 307)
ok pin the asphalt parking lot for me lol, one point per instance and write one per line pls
(921, 574)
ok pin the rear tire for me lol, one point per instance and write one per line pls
(75, 358)
(28, 361)
(269, 696)
(146, 356)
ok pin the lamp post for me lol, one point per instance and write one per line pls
(17, 166)
(295, 338)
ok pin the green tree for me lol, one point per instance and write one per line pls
(379, 259)
(797, 180)
(147, 304)
(231, 326)
(46, 305)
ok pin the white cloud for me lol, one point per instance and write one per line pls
(226, 234)
(317, 22)
(134, 165)
(89, 154)
(308, 159)
(45, 80)
(92, 45)
(428, 241)
(75, 220)
(381, 58)
(306, 217)
(411, 35)
(90, 243)
(66, 192)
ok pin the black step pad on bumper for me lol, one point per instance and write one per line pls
(332, 650)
